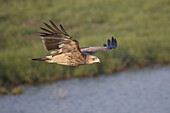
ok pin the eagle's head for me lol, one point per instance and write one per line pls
(90, 59)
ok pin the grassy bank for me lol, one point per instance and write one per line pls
(141, 28)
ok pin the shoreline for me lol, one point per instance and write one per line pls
(16, 89)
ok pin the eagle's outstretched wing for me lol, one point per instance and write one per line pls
(56, 38)
(112, 44)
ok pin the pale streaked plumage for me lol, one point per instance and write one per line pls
(66, 50)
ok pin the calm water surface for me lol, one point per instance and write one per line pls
(134, 91)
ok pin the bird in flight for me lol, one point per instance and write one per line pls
(66, 50)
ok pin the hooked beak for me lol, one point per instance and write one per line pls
(98, 60)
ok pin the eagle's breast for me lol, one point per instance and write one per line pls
(69, 59)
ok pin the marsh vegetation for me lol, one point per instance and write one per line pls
(141, 28)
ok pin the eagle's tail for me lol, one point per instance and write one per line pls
(41, 59)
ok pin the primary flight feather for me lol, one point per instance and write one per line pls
(66, 50)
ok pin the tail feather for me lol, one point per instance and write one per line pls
(41, 59)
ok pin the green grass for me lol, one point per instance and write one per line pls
(141, 28)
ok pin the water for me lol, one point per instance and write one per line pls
(133, 91)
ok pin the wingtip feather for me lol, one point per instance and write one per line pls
(105, 45)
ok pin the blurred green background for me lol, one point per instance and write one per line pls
(141, 28)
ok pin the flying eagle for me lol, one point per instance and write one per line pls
(66, 50)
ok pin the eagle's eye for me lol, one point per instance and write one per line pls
(94, 59)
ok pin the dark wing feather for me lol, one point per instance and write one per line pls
(54, 38)
(111, 44)
(64, 31)
(46, 30)
(54, 30)
(55, 27)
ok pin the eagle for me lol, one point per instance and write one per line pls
(66, 50)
